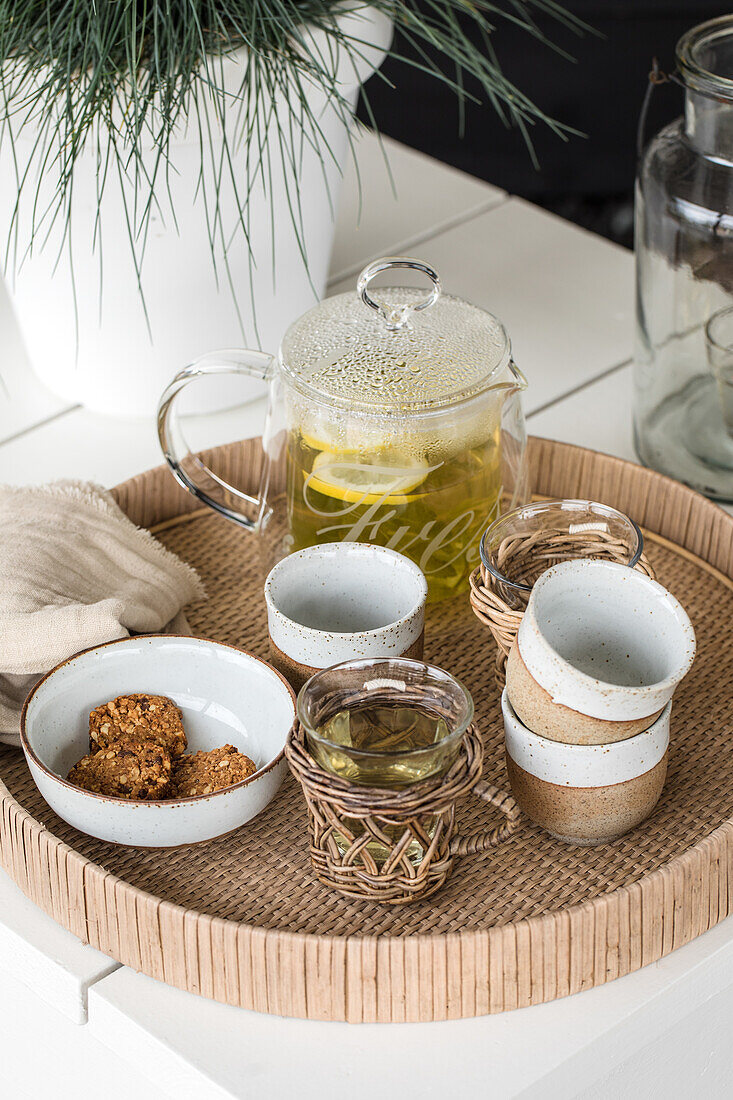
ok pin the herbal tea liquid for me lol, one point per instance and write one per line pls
(395, 746)
(429, 500)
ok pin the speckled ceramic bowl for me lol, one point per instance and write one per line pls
(226, 697)
(586, 794)
(341, 601)
(599, 653)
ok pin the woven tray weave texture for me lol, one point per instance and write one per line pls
(261, 876)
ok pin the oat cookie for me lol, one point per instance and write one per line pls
(204, 772)
(153, 717)
(127, 767)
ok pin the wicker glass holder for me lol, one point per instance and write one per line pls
(527, 558)
(394, 819)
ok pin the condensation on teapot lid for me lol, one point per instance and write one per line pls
(394, 348)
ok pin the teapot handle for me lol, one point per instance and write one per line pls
(187, 468)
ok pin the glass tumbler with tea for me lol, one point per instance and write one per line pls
(395, 418)
(385, 724)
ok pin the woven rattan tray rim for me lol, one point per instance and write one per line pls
(591, 942)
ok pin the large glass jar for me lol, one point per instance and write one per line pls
(684, 257)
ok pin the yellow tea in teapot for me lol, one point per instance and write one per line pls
(429, 500)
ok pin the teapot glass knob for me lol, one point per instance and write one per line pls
(397, 316)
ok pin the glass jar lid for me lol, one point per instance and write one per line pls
(394, 349)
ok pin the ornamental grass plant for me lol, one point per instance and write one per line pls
(124, 76)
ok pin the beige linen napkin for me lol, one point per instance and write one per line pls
(75, 572)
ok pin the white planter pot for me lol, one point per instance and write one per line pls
(104, 355)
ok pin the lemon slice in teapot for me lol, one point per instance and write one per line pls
(319, 443)
(365, 480)
(337, 445)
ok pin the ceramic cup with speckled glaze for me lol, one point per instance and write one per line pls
(586, 794)
(339, 601)
(599, 653)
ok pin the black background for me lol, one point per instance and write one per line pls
(587, 179)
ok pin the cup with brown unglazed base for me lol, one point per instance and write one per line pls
(599, 653)
(586, 794)
(342, 601)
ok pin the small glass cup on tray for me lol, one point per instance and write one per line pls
(519, 546)
(383, 748)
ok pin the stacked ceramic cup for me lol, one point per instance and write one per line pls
(590, 678)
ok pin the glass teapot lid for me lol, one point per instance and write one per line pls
(395, 348)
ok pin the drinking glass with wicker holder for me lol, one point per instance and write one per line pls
(524, 542)
(395, 842)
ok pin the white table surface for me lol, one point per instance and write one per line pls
(74, 1021)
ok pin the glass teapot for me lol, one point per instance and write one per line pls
(394, 417)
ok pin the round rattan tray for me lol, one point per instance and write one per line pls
(243, 920)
